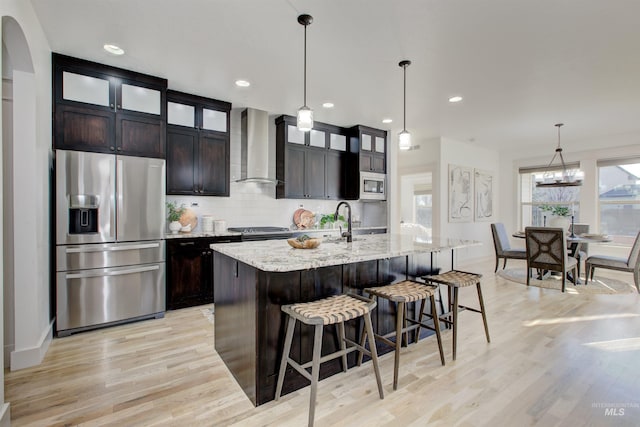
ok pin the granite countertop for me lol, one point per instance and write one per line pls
(278, 256)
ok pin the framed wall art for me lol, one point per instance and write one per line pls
(460, 193)
(483, 189)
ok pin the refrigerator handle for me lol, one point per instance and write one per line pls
(76, 250)
(102, 273)
(119, 191)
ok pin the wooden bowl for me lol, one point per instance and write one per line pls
(310, 243)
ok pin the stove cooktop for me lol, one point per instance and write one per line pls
(255, 230)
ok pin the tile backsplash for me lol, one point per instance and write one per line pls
(254, 204)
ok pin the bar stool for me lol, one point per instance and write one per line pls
(456, 279)
(336, 310)
(402, 293)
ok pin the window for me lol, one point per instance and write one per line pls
(537, 205)
(619, 199)
(422, 205)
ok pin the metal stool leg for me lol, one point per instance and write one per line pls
(291, 324)
(373, 351)
(315, 371)
(484, 315)
(455, 320)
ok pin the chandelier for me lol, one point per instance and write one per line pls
(563, 178)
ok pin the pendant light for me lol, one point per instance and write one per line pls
(569, 178)
(404, 137)
(305, 114)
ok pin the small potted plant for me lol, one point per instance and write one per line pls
(175, 212)
(327, 220)
(559, 216)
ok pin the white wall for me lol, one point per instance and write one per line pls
(253, 204)
(32, 114)
(465, 154)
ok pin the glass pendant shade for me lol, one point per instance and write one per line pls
(305, 119)
(404, 140)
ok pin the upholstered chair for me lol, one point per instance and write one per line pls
(630, 264)
(503, 247)
(579, 251)
(546, 249)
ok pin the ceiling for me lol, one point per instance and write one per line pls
(520, 65)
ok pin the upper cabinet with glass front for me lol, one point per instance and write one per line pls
(197, 112)
(371, 146)
(106, 109)
(198, 145)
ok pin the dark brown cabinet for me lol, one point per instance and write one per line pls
(106, 109)
(197, 145)
(190, 271)
(371, 146)
(310, 165)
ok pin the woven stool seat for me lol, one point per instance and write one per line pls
(405, 291)
(334, 310)
(327, 311)
(456, 278)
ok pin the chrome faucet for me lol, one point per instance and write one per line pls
(347, 233)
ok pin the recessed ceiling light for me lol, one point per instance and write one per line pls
(387, 120)
(242, 83)
(328, 105)
(113, 49)
(456, 98)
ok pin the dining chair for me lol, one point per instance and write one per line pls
(546, 249)
(630, 264)
(503, 247)
(579, 251)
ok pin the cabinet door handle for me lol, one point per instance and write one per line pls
(119, 107)
(119, 148)
(111, 105)
(112, 148)
(187, 243)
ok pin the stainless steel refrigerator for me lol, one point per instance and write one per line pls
(110, 252)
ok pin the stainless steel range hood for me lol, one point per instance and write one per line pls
(254, 151)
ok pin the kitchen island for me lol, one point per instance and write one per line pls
(254, 279)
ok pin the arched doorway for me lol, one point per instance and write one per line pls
(18, 154)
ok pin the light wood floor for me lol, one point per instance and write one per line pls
(554, 359)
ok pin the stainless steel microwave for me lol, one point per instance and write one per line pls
(373, 186)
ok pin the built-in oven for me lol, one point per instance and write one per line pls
(373, 186)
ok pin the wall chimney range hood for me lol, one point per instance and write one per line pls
(254, 147)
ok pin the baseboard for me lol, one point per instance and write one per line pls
(33, 356)
(5, 415)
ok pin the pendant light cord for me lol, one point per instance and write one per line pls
(404, 122)
(305, 65)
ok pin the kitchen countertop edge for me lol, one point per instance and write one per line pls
(278, 256)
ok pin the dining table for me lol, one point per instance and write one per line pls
(575, 243)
